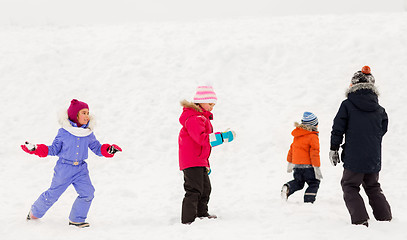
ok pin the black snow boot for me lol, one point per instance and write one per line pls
(79, 225)
(207, 215)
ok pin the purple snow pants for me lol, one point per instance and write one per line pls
(65, 174)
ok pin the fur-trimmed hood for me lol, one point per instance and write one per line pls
(192, 109)
(66, 124)
(187, 104)
(306, 127)
(364, 96)
(360, 86)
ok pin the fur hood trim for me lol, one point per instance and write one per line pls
(360, 86)
(187, 104)
(76, 131)
(306, 127)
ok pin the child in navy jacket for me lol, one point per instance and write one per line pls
(363, 122)
(71, 146)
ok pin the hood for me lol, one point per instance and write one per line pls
(301, 130)
(71, 127)
(191, 109)
(364, 96)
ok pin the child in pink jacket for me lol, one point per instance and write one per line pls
(196, 140)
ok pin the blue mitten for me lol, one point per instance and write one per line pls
(228, 135)
(218, 138)
(215, 139)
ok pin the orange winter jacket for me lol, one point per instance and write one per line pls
(305, 147)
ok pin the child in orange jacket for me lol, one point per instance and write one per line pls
(303, 158)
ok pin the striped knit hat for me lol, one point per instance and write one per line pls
(309, 118)
(205, 94)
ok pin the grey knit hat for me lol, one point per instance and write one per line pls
(363, 76)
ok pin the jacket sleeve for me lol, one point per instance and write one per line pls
(385, 122)
(95, 145)
(55, 148)
(195, 126)
(339, 127)
(314, 151)
(290, 154)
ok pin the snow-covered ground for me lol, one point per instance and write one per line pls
(266, 73)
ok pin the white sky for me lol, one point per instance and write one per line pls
(120, 11)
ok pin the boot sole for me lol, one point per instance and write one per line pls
(284, 193)
(79, 225)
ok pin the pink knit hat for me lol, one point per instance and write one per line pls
(74, 108)
(205, 94)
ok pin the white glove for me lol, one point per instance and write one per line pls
(318, 174)
(334, 157)
(290, 167)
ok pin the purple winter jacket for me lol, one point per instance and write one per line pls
(72, 143)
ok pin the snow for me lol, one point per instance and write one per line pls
(60, 12)
(266, 73)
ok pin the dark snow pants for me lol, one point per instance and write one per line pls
(302, 176)
(197, 190)
(351, 182)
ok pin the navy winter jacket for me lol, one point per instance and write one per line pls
(364, 123)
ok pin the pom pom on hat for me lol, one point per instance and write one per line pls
(363, 76)
(205, 94)
(366, 70)
(74, 108)
(309, 118)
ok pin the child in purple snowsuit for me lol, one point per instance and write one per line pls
(71, 146)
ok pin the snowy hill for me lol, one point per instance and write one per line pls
(266, 72)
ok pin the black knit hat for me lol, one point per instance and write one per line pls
(363, 76)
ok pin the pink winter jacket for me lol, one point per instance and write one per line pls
(193, 140)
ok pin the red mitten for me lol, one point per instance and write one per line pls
(109, 150)
(113, 149)
(41, 150)
(25, 149)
